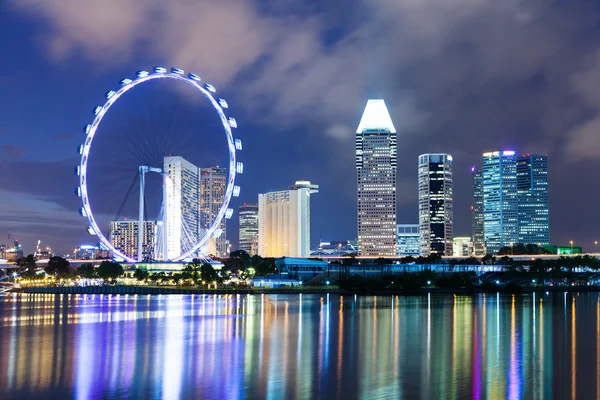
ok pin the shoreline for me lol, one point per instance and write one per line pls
(153, 290)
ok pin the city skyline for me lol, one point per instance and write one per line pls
(488, 103)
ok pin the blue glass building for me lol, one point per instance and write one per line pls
(408, 240)
(500, 200)
(532, 187)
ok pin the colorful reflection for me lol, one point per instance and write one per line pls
(537, 346)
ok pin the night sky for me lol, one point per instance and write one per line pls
(460, 76)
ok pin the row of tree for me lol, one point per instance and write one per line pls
(239, 265)
(60, 268)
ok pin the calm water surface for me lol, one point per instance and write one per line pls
(300, 347)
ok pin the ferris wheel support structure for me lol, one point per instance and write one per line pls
(143, 170)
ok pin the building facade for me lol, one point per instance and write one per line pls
(284, 221)
(376, 160)
(87, 252)
(462, 246)
(408, 240)
(248, 223)
(500, 200)
(213, 184)
(435, 204)
(532, 188)
(182, 211)
(124, 237)
(477, 213)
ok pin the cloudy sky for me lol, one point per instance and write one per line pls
(459, 76)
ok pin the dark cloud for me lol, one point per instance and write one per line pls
(10, 151)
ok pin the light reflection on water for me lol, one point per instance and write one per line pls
(300, 346)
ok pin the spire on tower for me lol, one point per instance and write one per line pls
(376, 117)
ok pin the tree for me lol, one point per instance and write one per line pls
(407, 260)
(505, 260)
(238, 261)
(140, 274)
(488, 259)
(58, 266)
(470, 261)
(110, 270)
(192, 270)
(27, 262)
(176, 278)
(382, 261)
(349, 261)
(208, 273)
(86, 271)
(263, 266)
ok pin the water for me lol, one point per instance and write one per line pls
(304, 347)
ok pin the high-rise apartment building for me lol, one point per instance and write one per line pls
(500, 200)
(376, 160)
(408, 240)
(477, 213)
(248, 237)
(532, 188)
(284, 221)
(462, 246)
(213, 184)
(124, 237)
(182, 212)
(435, 204)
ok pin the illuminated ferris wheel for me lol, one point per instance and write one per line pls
(168, 225)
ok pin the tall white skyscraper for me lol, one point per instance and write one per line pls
(183, 217)
(284, 221)
(213, 184)
(376, 178)
(435, 204)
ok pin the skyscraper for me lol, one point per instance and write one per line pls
(435, 204)
(182, 205)
(462, 246)
(477, 211)
(500, 201)
(532, 188)
(284, 221)
(408, 240)
(376, 181)
(213, 184)
(248, 236)
(124, 237)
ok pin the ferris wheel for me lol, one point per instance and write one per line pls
(189, 245)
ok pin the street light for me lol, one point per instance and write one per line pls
(571, 246)
(327, 283)
(428, 283)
